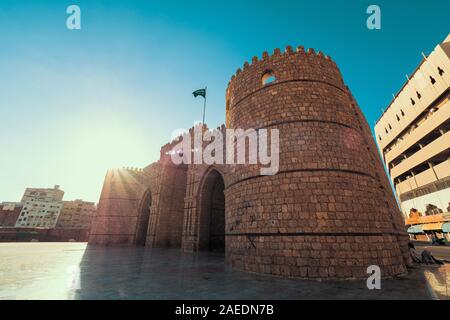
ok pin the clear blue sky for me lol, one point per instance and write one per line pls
(75, 103)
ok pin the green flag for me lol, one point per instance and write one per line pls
(199, 92)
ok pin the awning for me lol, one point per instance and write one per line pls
(446, 227)
(432, 226)
(415, 229)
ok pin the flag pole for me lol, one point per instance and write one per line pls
(204, 107)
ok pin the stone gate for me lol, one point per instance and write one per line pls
(328, 213)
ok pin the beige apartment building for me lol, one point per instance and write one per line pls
(76, 214)
(414, 137)
(41, 208)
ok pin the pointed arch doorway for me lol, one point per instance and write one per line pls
(143, 219)
(212, 213)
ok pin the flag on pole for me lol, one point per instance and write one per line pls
(199, 92)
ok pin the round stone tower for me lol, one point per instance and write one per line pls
(329, 212)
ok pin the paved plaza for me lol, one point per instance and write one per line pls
(79, 271)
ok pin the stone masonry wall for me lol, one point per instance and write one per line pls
(123, 201)
(118, 210)
(328, 212)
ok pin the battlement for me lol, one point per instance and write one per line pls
(298, 64)
(168, 148)
(132, 169)
(277, 53)
(300, 50)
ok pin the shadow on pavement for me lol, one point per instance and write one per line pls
(143, 273)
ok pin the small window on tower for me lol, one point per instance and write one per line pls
(398, 118)
(418, 95)
(412, 101)
(403, 114)
(268, 77)
(441, 72)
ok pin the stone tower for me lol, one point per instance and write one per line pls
(329, 212)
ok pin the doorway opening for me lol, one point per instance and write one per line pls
(143, 219)
(212, 213)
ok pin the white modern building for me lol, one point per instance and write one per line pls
(41, 208)
(413, 135)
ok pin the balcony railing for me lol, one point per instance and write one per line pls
(441, 170)
(429, 151)
(430, 124)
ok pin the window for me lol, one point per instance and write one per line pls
(403, 114)
(418, 95)
(412, 101)
(385, 130)
(390, 128)
(398, 118)
(268, 77)
(441, 72)
(379, 137)
(433, 81)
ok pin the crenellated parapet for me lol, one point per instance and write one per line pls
(290, 65)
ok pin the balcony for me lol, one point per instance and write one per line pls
(428, 176)
(431, 123)
(422, 156)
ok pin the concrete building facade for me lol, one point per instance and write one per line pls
(9, 213)
(41, 208)
(76, 214)
(328, 213)
(414, 138)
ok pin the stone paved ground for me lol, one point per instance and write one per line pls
(76, 271)
(438, 279)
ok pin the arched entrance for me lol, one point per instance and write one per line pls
(212, 213)
(143, 219)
